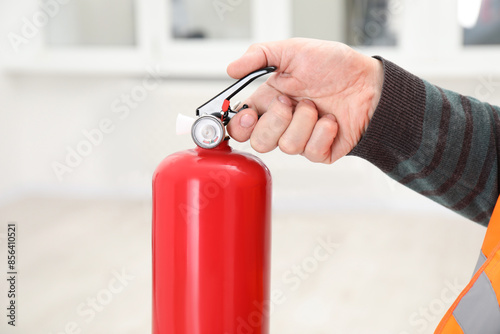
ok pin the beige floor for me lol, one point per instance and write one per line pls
(388, 274)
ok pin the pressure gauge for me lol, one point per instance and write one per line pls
(208, 131)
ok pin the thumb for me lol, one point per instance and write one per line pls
(256, 57)
(241, 125)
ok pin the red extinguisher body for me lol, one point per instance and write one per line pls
(211, 243)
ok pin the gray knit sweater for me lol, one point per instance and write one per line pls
(439, 143)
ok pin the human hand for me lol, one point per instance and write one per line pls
(317, 104)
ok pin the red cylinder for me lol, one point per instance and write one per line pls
(211, 243)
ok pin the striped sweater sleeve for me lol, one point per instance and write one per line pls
(441, 144)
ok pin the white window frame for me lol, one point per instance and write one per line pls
(421, 48)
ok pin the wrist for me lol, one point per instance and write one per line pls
(377, 81)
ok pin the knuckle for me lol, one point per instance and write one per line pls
(329, 126)
(282, 117)
(254, 47)
(315, 155)
(259, 144)
(308, 110)
(257, 48)
(289, 146)
(310, 114)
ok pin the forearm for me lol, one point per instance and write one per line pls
(436, 142)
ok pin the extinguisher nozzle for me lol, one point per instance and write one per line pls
(183, 124)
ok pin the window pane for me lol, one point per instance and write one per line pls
(319, 19)
(373, 22)
(355, 22)
(214, 19)
(93, 22)
(480, 20)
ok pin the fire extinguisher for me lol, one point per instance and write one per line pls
(211, 231)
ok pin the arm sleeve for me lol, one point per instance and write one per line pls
(441, 144)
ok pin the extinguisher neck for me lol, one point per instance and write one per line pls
(223, 146)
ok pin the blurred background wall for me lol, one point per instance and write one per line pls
(88, 63)
(89, 95)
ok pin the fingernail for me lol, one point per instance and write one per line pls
(247, 121)
(285, 100)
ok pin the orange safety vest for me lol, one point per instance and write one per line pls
(477, 310)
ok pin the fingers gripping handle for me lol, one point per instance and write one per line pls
(221, 101)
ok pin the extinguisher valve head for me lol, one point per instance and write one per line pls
(208, 131)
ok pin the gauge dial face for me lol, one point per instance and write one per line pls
(207, 131)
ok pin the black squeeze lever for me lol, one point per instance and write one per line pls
(219, 106)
